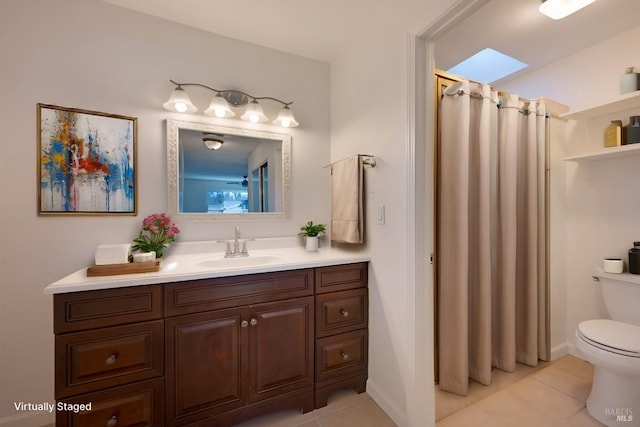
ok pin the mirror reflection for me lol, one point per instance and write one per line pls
(218, 172)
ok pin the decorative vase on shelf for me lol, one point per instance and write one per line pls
(312, 243)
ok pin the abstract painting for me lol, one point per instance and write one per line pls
(87, 162)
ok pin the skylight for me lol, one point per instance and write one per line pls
(487, 66)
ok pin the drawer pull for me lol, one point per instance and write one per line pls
(345, 313)
(254, 322)
(113, 421)
(345, 356)
(111, 360)
(244, 324)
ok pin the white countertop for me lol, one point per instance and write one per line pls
(185, 263)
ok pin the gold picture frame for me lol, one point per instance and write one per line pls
(87, 162)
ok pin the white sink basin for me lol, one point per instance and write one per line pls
(248, 261)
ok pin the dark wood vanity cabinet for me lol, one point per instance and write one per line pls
(109, 352)
(211, 352)
(341, 330)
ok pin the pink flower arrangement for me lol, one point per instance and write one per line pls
(161, 231)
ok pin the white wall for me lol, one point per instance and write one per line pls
(371, 114)
(91, 55)
(601, 197)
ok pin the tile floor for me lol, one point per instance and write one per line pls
(551, 395)
(346, 408)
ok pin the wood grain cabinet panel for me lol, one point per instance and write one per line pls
(139, 404)
(93, 360)
(341, 312)
(207, 361)
(342, 354)
(341, 277)
(79, 311)
(341, 333)
(281, 346)
(225, 292)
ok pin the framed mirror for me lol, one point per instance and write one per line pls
(225, 173)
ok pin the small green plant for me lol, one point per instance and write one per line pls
(310, 229)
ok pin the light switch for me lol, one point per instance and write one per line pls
(381, 214)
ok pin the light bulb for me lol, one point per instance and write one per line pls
(179, 101)
(285, 118)
(219, 107)
(254, 113)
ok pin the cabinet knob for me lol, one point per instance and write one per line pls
(345, 313)
(345, 356)
(111, 360)
(244, 324)
(113, 421)
(254, 322)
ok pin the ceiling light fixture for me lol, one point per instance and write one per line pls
(212, 143)
(558, 9)
(221, 104)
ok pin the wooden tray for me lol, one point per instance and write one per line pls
(128, 268)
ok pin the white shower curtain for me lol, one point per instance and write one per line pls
(491, 244)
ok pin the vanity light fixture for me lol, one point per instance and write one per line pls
(221, 104)
(558, 9)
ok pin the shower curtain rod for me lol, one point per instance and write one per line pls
(524, 110)
(479, 95)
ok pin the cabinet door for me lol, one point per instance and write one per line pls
(281, 345)
(206, 364)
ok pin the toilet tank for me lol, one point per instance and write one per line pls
(621, 295)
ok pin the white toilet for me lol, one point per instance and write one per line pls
(613, 347)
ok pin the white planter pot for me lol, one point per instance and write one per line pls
(312, 243)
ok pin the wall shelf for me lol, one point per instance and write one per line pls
(624, 102)
(607, 153)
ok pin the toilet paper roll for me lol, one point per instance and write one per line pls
(112, 254)
(612, 265)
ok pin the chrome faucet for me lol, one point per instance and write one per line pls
(237, 250)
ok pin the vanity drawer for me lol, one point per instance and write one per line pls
(339, 312)
(341, 355)
(341, 277)
(227, 292)
(98, 309)
(92, 360)
(140, 404)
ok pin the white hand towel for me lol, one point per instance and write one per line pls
(347, 188)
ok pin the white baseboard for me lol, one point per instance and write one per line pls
(564, 349)
(398, 416)
(560, 350)
(30, 419)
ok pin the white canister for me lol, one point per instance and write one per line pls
(612, 265)
(630, 81)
